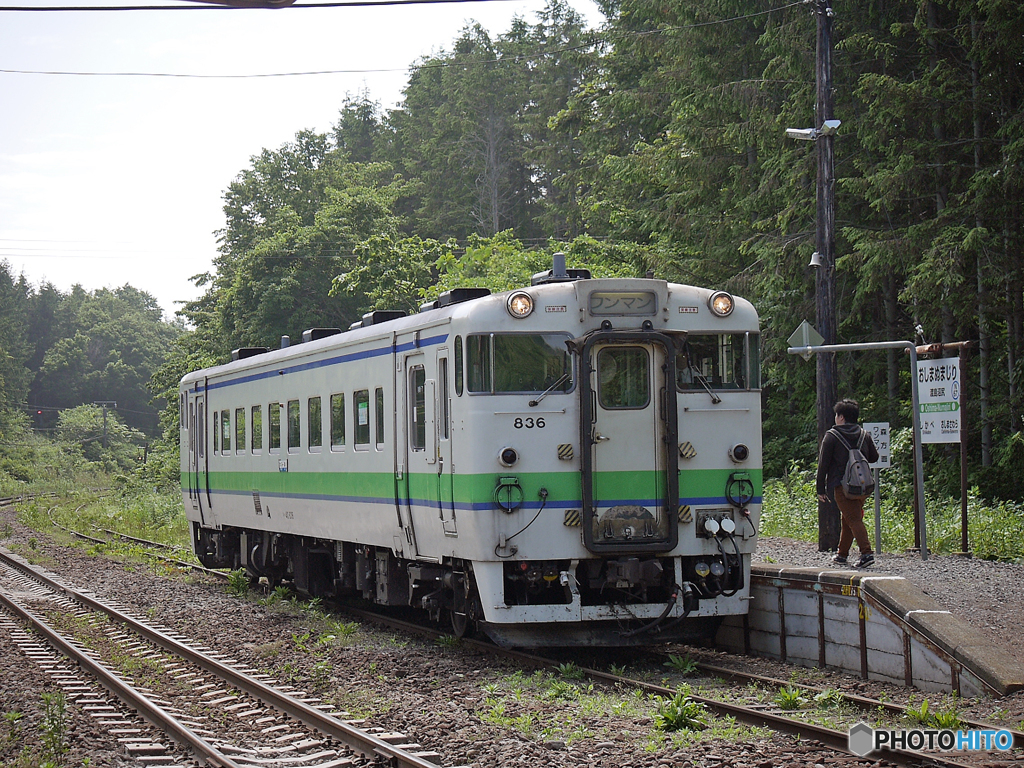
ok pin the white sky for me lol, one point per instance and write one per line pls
(113, 180)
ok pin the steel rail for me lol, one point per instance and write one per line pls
(831, 738)
(147, 709)
(861, 701)
(360, 741)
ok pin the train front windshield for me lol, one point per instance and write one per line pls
(518, 363)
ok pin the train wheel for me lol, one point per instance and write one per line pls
(462, 625)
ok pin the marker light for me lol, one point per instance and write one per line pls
(717, 568)
(701, 569)
(721, 303)
(520, 305)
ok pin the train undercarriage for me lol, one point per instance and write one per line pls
(617, 593)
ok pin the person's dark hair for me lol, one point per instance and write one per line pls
(848, 409)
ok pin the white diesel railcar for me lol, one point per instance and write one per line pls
(577, 462)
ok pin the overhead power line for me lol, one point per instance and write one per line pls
(110, 8)
(434, 65)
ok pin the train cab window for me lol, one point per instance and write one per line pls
(225, 432)
(239, 430)
(294, 426)
(181, 410)
(337, 422)
(201, 431)
(379, 413)
(361, 403)
(192, 424)
(719, 361)
(274, 414)
(478, 361)
(458, 366)
(216, 432)
(521, 363)
(418, 416)
(314, 425)
(623, 378)
(257, 429)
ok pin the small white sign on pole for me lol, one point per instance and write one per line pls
(878, 431)
(938, 393)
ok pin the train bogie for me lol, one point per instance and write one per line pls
(574, 462)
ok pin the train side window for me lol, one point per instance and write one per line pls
(239, 430)
(442, 374)
(458, 366)
(257, 428)
(294, 426)
(361, 403)
(201, 431)
(315, 425)
(225, 432)
(216, 432)
(379, 412)
(274, 413)
(337, 422)
(418, 417)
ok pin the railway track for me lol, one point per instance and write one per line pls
(756, 714)
(753, 713)
(199, 691)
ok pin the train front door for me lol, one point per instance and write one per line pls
(630, 474)
(198, 481)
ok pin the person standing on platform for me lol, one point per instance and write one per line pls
(832, 460)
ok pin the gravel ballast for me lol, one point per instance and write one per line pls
(467, 705)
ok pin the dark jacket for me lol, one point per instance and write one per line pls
(833, 455)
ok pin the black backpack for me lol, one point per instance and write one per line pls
(858, 480)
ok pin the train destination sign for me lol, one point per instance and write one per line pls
(938, 393)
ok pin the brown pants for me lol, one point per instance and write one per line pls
(853, 527)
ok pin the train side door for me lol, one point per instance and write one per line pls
(198, 481)
(423, 482)
(630, 486)
(446, 468)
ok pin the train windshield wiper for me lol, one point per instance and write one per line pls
(547, 391)
(715, 399)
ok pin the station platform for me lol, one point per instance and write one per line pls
(875, 625)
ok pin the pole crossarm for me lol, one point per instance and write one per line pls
(916, 407)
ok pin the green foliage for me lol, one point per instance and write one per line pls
(790, 697)
(684, 665)
(571, 671)
(238, 583)
(54, 725)
(680, 712)
(924, 715)
(830, 698)
(995, 529)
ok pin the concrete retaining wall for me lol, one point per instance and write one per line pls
(877, 626)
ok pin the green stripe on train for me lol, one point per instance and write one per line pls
(561, 486)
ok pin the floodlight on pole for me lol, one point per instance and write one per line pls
(802, 134)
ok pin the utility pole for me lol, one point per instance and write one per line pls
(105, 403)
(825, 243)
(824, 256)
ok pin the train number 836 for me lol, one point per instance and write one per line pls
(529, 423)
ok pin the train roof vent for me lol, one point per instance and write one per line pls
(558, 273)
(550, 277)
(356, 324)
(379, 316)
(459, 295)
(244, 352)
(312, 334)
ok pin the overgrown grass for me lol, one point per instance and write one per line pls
(995, 530)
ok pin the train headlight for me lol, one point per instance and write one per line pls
(701, 569)
(739, 453)
(508, 456)
(721, 303)
(520, 305)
